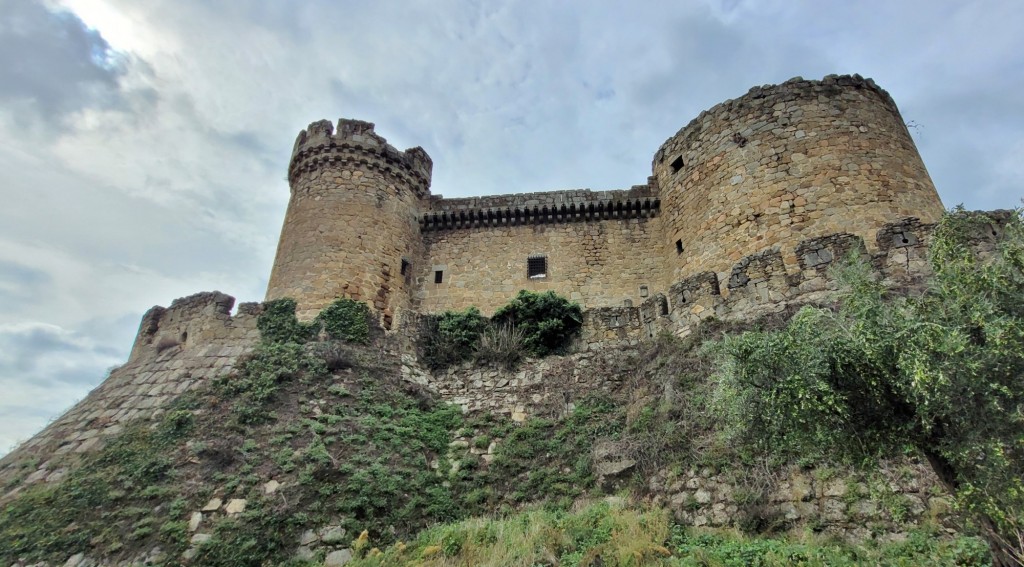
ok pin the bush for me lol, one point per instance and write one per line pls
(452, 337)
(547, 321)
(345, 319)
(502, 344)
(278, 324)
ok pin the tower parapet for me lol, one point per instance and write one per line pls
(355, 142)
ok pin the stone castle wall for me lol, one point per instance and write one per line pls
(779, 165)
(597, 248)
(177, 349)
(785, 163)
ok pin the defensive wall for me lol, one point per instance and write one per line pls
(779, 165)
(177, 349)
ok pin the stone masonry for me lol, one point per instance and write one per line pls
(177, 349)
(779, 165)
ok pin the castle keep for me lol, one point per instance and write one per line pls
(779, 165)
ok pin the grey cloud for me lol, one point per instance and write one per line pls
(52, 61)
(20, 283)
(49, 354)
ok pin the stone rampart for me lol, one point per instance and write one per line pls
(762, 283)
(177, 349)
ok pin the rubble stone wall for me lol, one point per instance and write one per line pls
(177, 349)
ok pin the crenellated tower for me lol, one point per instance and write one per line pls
(352, 228)
(784, 163)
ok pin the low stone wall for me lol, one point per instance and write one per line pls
(855, 506)
(545, 387)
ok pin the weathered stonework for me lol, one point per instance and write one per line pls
(177, 349)
(785, 163)
(780, 165)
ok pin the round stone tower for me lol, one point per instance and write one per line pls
(351, 229)
(784, 163)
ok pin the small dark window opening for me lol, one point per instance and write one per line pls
(679, 246)
(676, 164)
(536, 267)
(405, 267)
(438, 276)
(184, 337)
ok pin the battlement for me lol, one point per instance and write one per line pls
(198, 319)
(640, 201)
(760, 284)
(773, 99)
(356, 144)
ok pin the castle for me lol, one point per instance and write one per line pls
(747, 208)
(779, 165)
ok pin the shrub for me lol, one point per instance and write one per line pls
(345, 319)
(278, 324)
(547, 320)
(336, 355)
(452, 337)
(501, 344)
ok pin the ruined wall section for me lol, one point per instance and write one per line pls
(762, 284)
(785, 163)
(597, 248)
(177, 349)
(352, 228)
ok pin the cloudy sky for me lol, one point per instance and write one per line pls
(144, 143)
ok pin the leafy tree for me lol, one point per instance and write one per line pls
(942, 372)
(547, 320)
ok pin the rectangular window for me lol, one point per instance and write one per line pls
(679, 246)
(676, 164)
(405, 267)
(438, 276)
(536, 266)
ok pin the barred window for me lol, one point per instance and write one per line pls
(537, 266)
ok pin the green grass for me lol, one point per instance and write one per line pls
(608, 535)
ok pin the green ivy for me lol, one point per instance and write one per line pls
(278, 323)
(346, 320)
